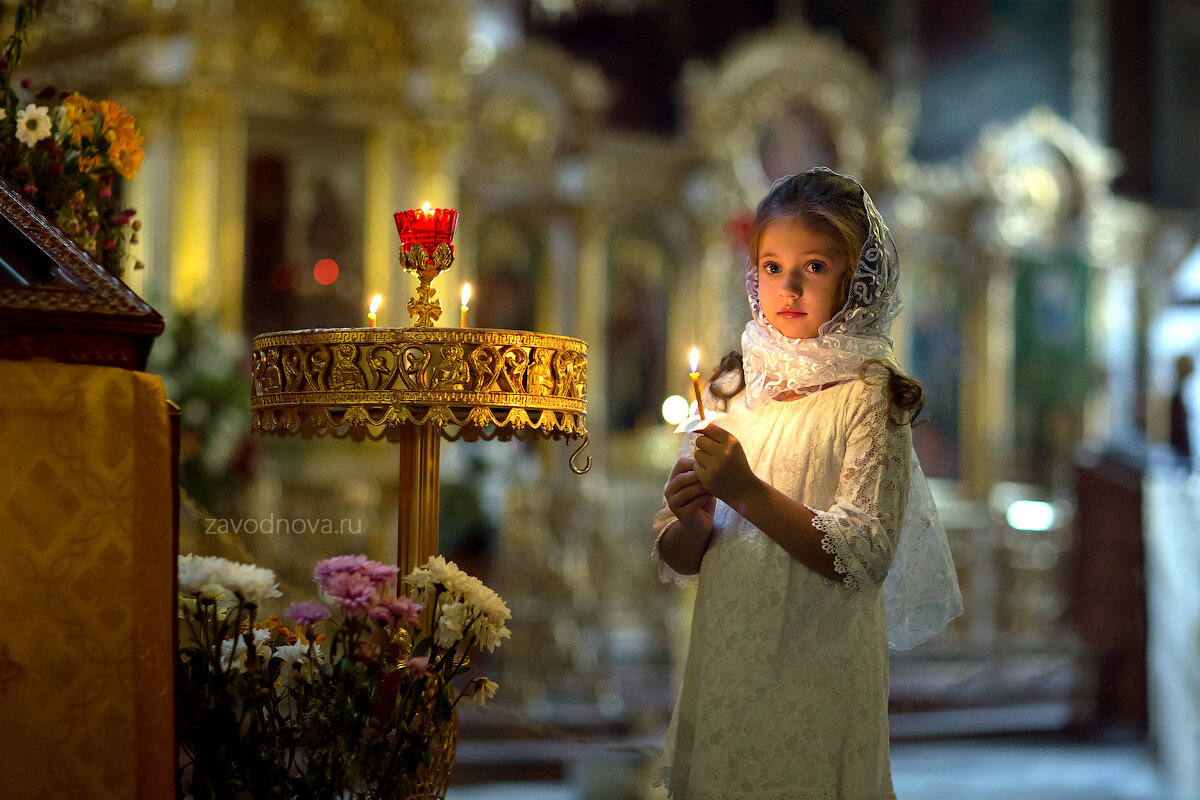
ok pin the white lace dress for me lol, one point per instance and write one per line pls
(784, 693)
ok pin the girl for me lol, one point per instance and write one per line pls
(792, 510)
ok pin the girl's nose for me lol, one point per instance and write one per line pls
(792, 284)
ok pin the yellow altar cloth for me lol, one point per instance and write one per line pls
(87, 586)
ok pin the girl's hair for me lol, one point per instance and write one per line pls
(832, 203)
(906, 396)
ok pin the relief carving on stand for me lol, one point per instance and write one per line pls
(366, 382)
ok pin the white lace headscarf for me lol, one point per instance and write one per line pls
(921, 590)
(775, 364)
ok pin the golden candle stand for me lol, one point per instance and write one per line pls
(417, 385)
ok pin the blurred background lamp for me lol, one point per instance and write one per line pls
(675, 409)
(325, 271)
(1030, 515)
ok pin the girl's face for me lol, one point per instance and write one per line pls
(800, 274)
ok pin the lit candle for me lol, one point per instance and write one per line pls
(375, 301)
(694, 360)
(466, 298)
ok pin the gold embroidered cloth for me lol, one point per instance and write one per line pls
(86, 583)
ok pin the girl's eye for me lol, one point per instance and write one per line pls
(771, 268)
(816, 267)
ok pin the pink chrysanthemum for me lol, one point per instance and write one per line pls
(352, 591)
(308, 612)
(403, 609)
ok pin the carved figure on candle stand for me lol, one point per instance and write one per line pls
(541, 379)
(580, 383)
(315, 376)
(453, 373)
(258, 363)
(271, 379)
(345, 373)
(815, 401)
(564, 372)
(293, 374)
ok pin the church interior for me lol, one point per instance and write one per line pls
(1037, 163)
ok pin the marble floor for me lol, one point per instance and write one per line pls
(1041, 767)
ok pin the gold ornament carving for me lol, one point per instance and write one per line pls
(366, 383)
(423, 308)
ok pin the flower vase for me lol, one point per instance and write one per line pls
(431, 781)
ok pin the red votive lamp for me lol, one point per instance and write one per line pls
(426, 227)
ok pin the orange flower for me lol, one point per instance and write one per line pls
(126, 156)
(81, 113)
(88, 164)
(124, 142)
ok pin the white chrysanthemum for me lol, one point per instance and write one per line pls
(192, 572)
(202, 575)
(261, 645)
(451, 624)
(233, 655)
(252, 584)
(493, 606)
(290, 655)
(33, 124)
(484, 690)
(446, 573)
(437, 572)
(235, 648)
(419, 579)
(488, 634)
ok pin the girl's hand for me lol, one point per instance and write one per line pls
(692, 505)
(722, 468)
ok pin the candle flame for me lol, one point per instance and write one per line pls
(375, 302)
(694, 359)
(425, 208)
(466, 294)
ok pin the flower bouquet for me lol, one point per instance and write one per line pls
(63, 151)
(362, 709)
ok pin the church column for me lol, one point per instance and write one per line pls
(207, 227)
(717, 300)
(591, 305)
(150, 195)
(381, 265)
(986, 424)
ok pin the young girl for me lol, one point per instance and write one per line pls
(791, 510)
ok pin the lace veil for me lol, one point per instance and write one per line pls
(921, 591)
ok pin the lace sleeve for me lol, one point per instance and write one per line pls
(665, 517)
(862, 528)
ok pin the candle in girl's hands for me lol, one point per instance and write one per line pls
(466, 298)
(694, 361)
(375, 301)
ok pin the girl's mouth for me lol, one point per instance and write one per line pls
(790, 313)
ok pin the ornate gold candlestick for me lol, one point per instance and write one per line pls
(416, 385)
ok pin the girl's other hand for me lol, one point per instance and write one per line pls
(688, 500)
(721, 466)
